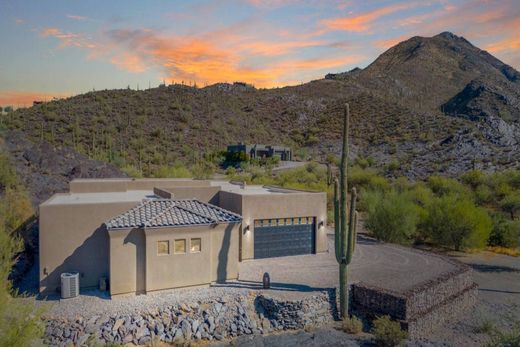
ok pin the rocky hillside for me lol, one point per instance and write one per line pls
(427, 105)
(45, 169)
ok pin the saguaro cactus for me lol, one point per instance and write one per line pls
(345, 222)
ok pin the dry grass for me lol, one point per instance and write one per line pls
(514, 252)
(352, 325)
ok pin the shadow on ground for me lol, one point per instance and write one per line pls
(492, 268)
(292, 287)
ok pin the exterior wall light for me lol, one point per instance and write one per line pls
(246, 229)
(320, 224)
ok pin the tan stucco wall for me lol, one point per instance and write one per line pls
(72, 238)
(124, 184)
(177, 270)
(261, 206)
(127, 261)
(135, 266)
(224, 252)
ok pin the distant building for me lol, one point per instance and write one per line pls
(261, 151)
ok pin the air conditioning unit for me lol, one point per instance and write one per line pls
(69, 285)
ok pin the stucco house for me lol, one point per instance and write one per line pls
(146, 235)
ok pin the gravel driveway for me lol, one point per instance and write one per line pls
(374, 263)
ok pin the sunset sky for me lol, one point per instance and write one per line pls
(61, 48)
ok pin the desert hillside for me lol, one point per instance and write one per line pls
(427, 105)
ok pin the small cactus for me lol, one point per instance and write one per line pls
(329, 174)
(345, 222)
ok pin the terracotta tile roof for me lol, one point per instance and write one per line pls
(170, 213)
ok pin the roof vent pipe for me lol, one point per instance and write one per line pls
(244, 185)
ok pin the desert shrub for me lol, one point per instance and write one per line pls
(506, 338)
(474, 178)
(362, 162)
(505, 233)
(393, 165)
(388, 333)
(391, 216)
(511, 204)
(448, 186)
(132, 171)
(7, 173)
(366, 179)
(456, 223)
(484, 327)
(178, 170)
(203, 170)
(19, 322)
(352, 325)
(483, 194)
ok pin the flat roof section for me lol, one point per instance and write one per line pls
(99, 198)
(256, 189)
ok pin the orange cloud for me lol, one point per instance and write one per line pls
(277, 48)
(504, 45)
(129, 61)
(22, 99)
(68, 39)
(362, 22)
(205, 60)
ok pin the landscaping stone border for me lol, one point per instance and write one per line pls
(202, 320)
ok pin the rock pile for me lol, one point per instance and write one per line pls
(177, 323)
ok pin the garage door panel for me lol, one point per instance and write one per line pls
(283, 240)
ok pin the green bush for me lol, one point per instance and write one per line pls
(505, 233)
(387, 332)
(366, 179)
(392, 216)
(448, 186)
(19, 321)
(132, 171)
(457, 223)
(474, 178)
(483, 194)
(511, 204)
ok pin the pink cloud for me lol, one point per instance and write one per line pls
(362, 22)
(76, 17)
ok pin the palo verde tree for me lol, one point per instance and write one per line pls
(345, 221)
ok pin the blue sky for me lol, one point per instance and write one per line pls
(61, 48)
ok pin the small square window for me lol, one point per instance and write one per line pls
(180, 246)
(281, 221)
(195, 245)
(288, 221)
(163, 247)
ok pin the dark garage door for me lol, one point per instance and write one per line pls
(284, 236)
